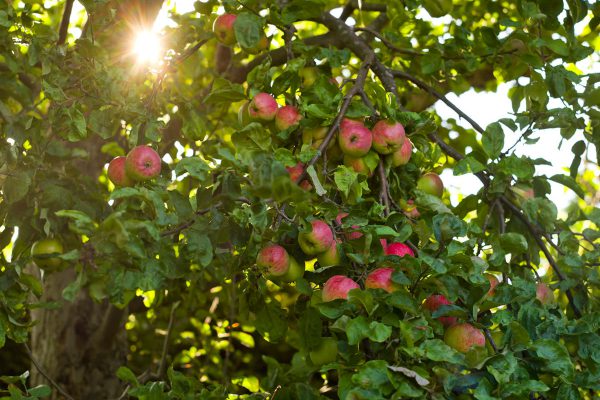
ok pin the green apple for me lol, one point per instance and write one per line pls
(43, 249)
(431, 183)
(331, 257)
(309, 76)
(462, 337)
(325, 353)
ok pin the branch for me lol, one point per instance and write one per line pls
(387, 43)
(163, 358)
(63, 30)
(177, 229)
(43, 373)
(490, 339)
(383, 192)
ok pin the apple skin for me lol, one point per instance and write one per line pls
(325, 353)
(331, 257)
(544, 294)
(434, 302)
(278, 263)
(223, 28)
(402, 155)
(493, 283)
(381, 278)
(354, 138)
(318, 240)
(142, 163)
(337, 287)
(431, 183)
(287, 117)
(462, 337)
(309, 76)
(388, 137)
(263, 107)
(355, 233)
(295, 173)
(398, 249)
(47, 246)
(116, 172)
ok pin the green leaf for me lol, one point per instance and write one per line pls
(200, 246)
(248, 29)
(82, 223)
(514, 243)
(195, 166)
(437, 350)
(493, 140)
(40, 391)
(315, 180)
(570, 183)
(344, 178)
(555, 355)
(127, 375)
(468, 165)
(223, 91)
(16, 186)
(271, 322)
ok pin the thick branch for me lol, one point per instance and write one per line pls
(63, 30)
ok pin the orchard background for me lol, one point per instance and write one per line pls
(156, 292)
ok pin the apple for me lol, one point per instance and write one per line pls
(116, 172)
(41, 251)
(462, 337)
(493, 283)
(365, 165)
(223, 28)
(262, 45)
(318, 240)
(434, 302)
(355, 233)
(263, 107)
(431, 183)
(295, 173)
(381, 278)
(354, 139)
(388, 136)
(402, 155)
(409, 208)
(142, 163)
(544, 294)
(331, 257)
(287, 117)
(315, 136)
(398, 249)
(278, 263)
(325, 353)
(309, 76)
(337, 287)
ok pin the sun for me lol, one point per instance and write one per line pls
(147, 47)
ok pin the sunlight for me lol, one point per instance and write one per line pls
(147, 47)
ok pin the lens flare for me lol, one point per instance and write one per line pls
(147, 47)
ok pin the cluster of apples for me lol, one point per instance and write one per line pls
(142, 163)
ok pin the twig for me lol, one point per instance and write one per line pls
(44, 374)
(163, 358)
(387, 43)
(485, 225)
(490, 339)
(63, 29)
(383, 192)
(190, 222)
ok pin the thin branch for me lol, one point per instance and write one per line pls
(163, 359)
(490, 339)
(63, 30)
(383, 192)
(486, 222)
(387, 43)
(177, 229)
(45, 375)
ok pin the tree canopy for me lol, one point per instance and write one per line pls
(210, 280)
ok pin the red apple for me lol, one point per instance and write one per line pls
(493, 283)
(431, 183)
(142, 163)
(287, 117)
(381, 278)
(223, 28)
(295, 173)
(402, 155)
(278, 263)
(434, 302)
(462, 337)
(355, 233)
(263, 107)
(354, 139)
(388, 136)
(331, 257)
(318, 240)
(544, 294)
(337, 287)
(363, 165)
(116, 172)
(398, 249)
(410, 209)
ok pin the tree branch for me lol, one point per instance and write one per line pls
(43, 373)
(63, 29)
(383, 192)
(163, 359)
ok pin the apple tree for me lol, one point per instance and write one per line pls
(251, 205)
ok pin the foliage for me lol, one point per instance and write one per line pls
(185, 244)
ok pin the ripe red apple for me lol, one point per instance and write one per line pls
(41, 251)
(354, 139)
(278, 263)
(295, 173)
(381, 278)
(360, 164)
(388, 136)
(355, 233)
(331, 257)
(398, 249)
(402, 155)
(544, 294)
(493, 283)
(325, 353)
(309, 76)
(223, 28)
(462, 337)
(434, 302)
(263, 107)
(142, 163)
(318, 240)
(287, 117)
(337, 287)
(431, 183)
(116, 172)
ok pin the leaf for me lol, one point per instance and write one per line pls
(556, 356)
(195, 166)
(436, 350)
(344, 178)
(493, 140)
(514, 243)
(16, 186)
(223, 91)
(360, 328)
(315, 180)
(200, 246)
(248, 29)
(570, 183)
(468, 165)
(127, 375)
(411, 374)
(271, 322)
(82, 223)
